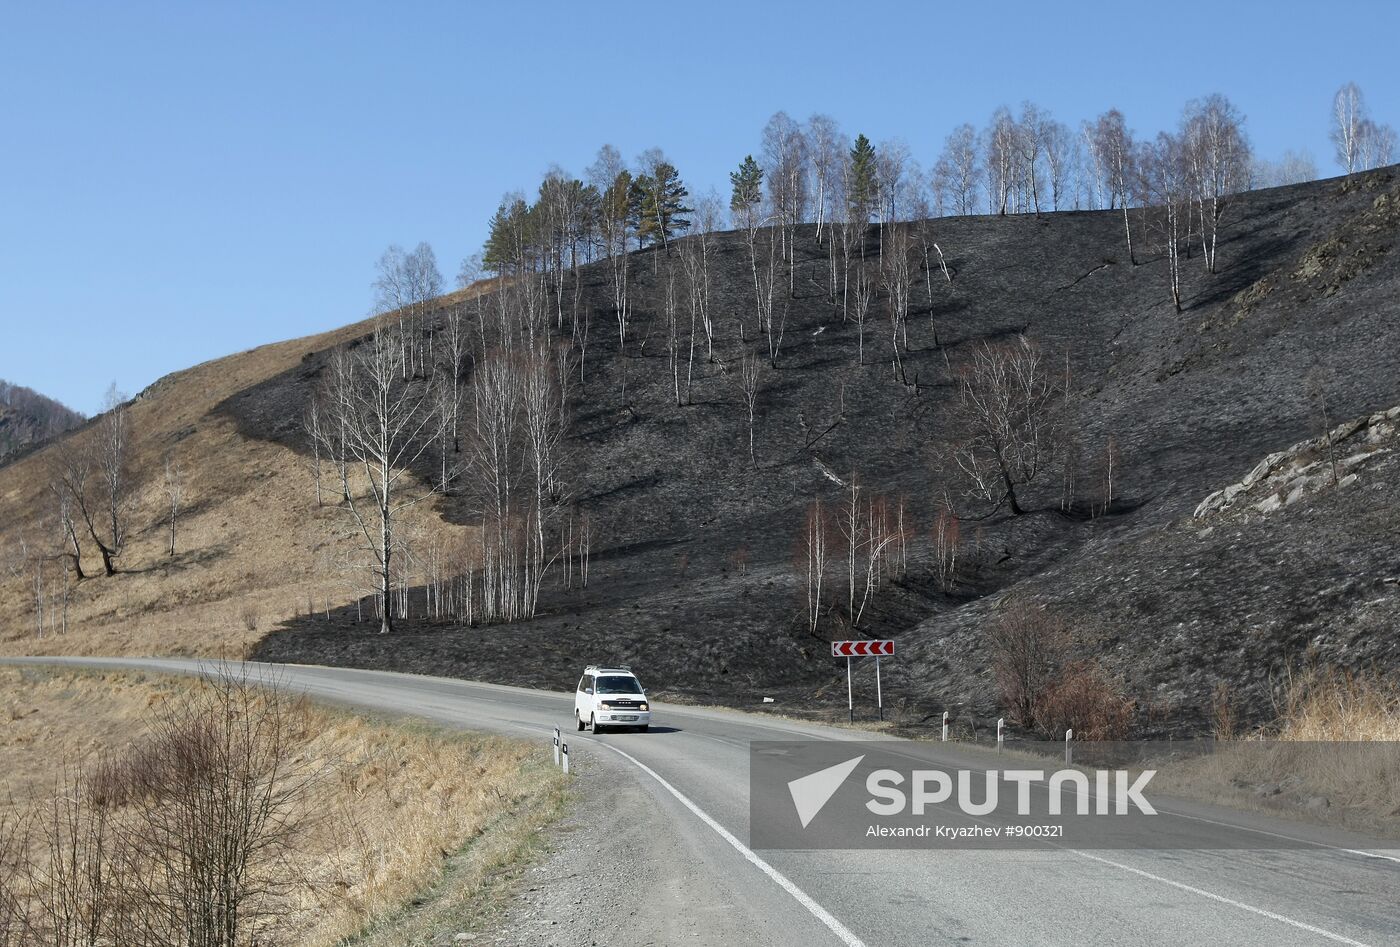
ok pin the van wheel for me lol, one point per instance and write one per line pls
(593, 724)
(578, 720)
(644, 727)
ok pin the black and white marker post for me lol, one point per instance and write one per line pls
(871, 648)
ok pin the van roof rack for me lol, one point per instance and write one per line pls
(608, 667)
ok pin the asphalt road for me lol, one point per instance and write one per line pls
(657, 853)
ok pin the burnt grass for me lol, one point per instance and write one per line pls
(1308, 285)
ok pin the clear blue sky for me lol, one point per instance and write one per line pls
(179, 181)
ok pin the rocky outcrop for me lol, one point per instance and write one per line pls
(1336, 460)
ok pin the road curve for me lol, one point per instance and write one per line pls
(675, 803)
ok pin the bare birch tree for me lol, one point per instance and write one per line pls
(380, 426)
(1348, 115)
(750, 377)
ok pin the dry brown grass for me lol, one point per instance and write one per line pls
(387, 807)
(251, 541)
(1333, 756)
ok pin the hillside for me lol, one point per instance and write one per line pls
(28, 419)
(693, 577)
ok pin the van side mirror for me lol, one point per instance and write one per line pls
(588, 690)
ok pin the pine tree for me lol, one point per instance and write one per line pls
(862, 189)
(509, 232)
(660, 204)
(748, 190)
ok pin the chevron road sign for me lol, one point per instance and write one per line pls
(861, 649)
(857, 649)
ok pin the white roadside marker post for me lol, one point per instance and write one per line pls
(565, 750)
(1001, 722)
(556, 746)
(1069, 752)
(945, 726)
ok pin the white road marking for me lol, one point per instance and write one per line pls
(803, 898)
(1290, 838)
(1321, 932)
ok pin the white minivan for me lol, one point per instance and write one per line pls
(610, 697)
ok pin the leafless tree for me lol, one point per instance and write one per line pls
(1166, 168)
(380, 426)
(174, 484)
(894, 170)
(1295, 167)
(816, 541)
(404, 285)
(65, 517)
(1030, 145)
(1000, 145)
(1059, 147)
(947, 531)
(1348, 114)
(1217, 154)
(1112, 146)
(1376, 145)
(896, 273)
(1008, 408)
(1027, 646)
(610, 177)
(958, 170)
(785, 160)
(519, 414)
(750, 377)
(214, 810)
(869, 532)
(825, 149)
(93, 472)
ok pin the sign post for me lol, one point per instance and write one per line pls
(857, 649)
(850, 705)
(879, 697)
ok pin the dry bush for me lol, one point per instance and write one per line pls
(249, 616)
(75, 891)
(310, 824)
(1335, 705)
(1043, 682)
(1222, 713)
(1084, 698)
(1028, 646)
(13, 916)
(181, 841)
(214, 797)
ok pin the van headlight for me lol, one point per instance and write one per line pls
(643, 706)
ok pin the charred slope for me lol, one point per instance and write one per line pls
(693, 578)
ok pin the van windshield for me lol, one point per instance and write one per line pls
(618, 684)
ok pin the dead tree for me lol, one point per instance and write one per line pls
(1008, 411)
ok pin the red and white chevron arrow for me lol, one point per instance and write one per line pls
(863, 648)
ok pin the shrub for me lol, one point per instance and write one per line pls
(1085, 698)
(250, 617)
(1334, 705)
(1028, 645)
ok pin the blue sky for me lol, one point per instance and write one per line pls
(181, 181)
